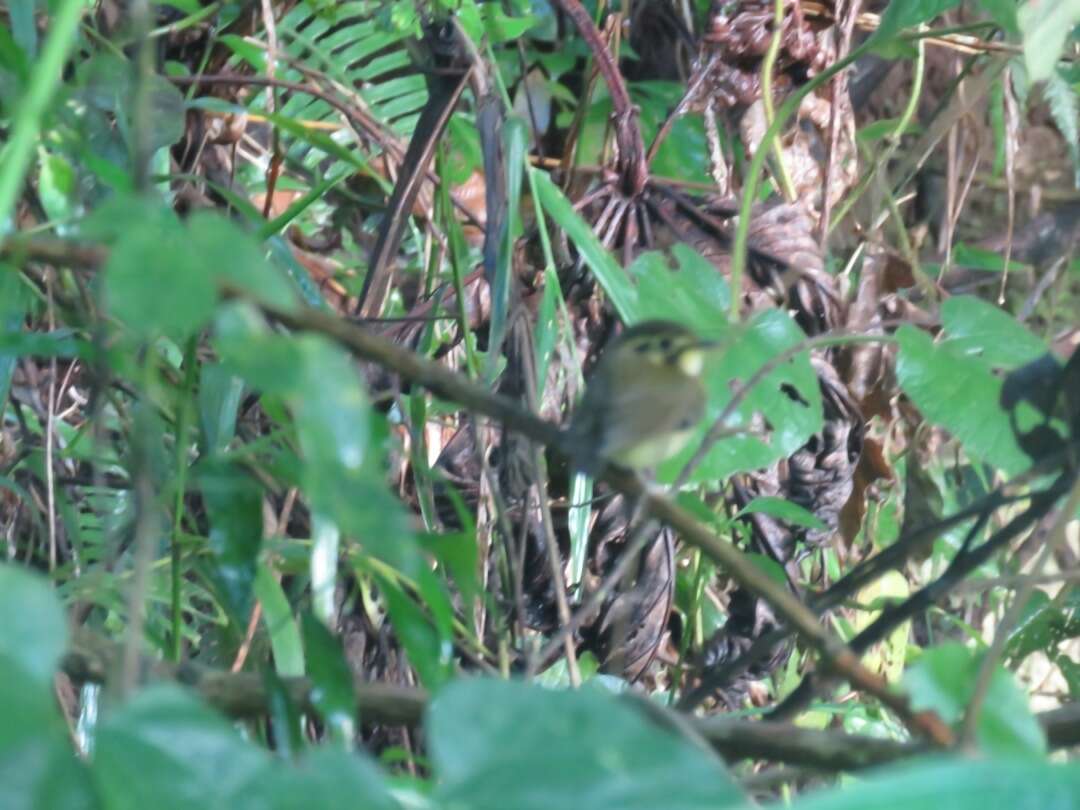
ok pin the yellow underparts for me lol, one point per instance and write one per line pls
(651, 452)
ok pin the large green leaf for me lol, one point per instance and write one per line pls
(955, 784)
(1044, 25)
(504, 744)
(684, 287)
(1045, 623)
(35, 633)
(326, 778)
(978, 329)
(108, 84)
(943, 679)
(219, 400)
(786, 403)
(37, 766)
(280, 624)
(154, 283)
(958, 391)
(164, 749)
(237, 257)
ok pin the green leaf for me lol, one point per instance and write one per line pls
(693, 292)
(976, 258)
(943, 679)
(236, 257)
(13, 304)
(1045, 24)
(1044, 624)
(153, 281)
(61, 342)
(323, 565)
(977, 329)
(164, 749)
(503, 744)
(960, 393)
(784, 510)
(56, 186)
(459, 554)
(23, 27)
(325, 778)
(501, 28)
(234, 506)
(426, 648)
(342, 470)
(248, 51)
(35, 634)
(37, 767)
(875, 131)
(332, 685)
(24, 126)
(1065, 110)
(578, 523)
(769, 567)
(108, 85)
(285, 641)
(34, 751)
(610, 276)
(13, 60)
(1003, 13)
(219, 400)
(957, 784)
(788, 399)
(273, 364)
(903, 14)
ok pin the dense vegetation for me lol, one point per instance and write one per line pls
(295, 298)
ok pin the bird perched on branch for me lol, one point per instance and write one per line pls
(643, 400)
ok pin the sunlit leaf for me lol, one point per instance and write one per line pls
(960, 393)
(943, 679)
(499, 744)
(959, 784)
(1044, 25)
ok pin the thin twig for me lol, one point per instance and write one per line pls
(962, 565)
(1055, 540)
(50, 433)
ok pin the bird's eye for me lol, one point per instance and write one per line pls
(665, 344)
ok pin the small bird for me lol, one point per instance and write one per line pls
(643, 399)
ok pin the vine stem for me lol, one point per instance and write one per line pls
(757, 162)
(631, 146)
(768, 68)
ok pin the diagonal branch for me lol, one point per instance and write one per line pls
(836, 657)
